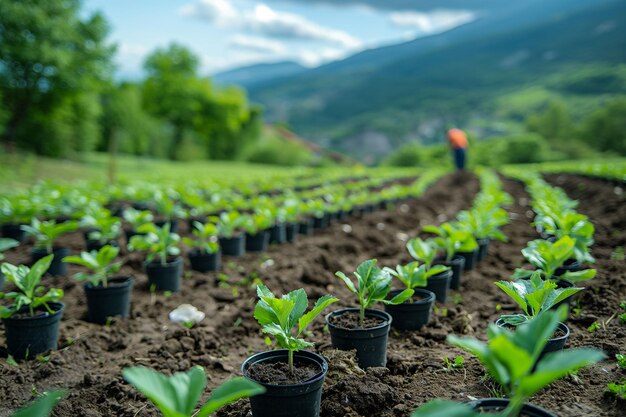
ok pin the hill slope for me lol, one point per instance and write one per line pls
(380, 98)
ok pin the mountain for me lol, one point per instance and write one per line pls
(381, 98)
(255, 75)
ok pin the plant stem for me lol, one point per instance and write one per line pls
(290, 361)
(362, 316)
(515, 407)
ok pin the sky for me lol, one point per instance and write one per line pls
(227, 34)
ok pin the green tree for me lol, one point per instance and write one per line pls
(552, 123)
(52, 64)
(173, 91)
(605, 129)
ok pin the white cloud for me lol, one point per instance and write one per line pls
(266, 21)
(313, 58)
(431, 22)
(130, 58)
(253, 43)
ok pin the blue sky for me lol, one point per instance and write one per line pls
(231, 33)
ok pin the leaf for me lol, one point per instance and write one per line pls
(516, 291)
(400, 298)
(578, 276)
(282, 308)
(347, 281)
(441, 408)
(41, 407)
(320, 305)
(301, 303)
(228, 392)
(36, 272)
(556, 365)
(175, 396)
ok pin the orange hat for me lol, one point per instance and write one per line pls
(457, 138)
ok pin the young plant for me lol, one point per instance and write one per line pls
(137, 218)
(158, 241)
(228, 223)
(547, 257)
(512, 360)
(106, 228)
(100, 263)
(484, 224)
(414, 275)
(451, 238)
(575, 225)
(30, 293)
(259, 221)
(279, 316)
(205, 238)
(373, 285)
(617, 390)
(5, 244)
(42, 406)
(47, 232)
(534, 296)
(422, 250)
(178, 395)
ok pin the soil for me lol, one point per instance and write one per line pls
(277, 373)
(351, 320)
(91, 357)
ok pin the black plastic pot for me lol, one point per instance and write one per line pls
(305, 227)
(165, 277)
(278, 234)
(457, 266)
(291, 232)
(554, 344)
(204, 262)
(370, 343)
(439, 284)
(571, 265)
(57, 267)
(483, 249)
(13, 231)
(490, 405)
(233, 246)
(321, 222)
(297, 400)
(470, 259)
(258, 242)
(27, 337)
(411, 316)
(110, 301)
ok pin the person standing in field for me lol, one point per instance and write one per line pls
(459, 145)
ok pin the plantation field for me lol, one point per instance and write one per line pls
(91, 357)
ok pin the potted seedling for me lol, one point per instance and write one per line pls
(5, 244)
(46, 233)
(178, 395)
(15, 212)
(293, 216)
(453, 240)
(107, 295)
(484, 224)
(365, 329)
(535, 296)
(278, 231)
(205, 255)
(547, 257)
(170, 211)
(229, 226)
(102, 230)
(414, 312)
(513, 359)
(580, 229)
(425, 252)
(292, 377)
(164, 266)
(136, 219)
(31, 321)
(257, 230)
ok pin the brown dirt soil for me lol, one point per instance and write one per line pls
(91, 357)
